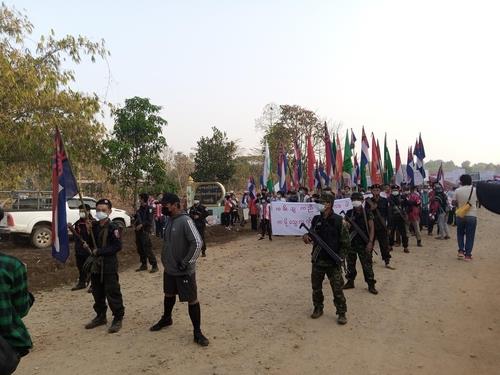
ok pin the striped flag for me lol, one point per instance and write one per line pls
(266, 174)
(311, 162)
(440, 175)
(63, 188)
(410, 177)
(365, 159)
(375, 167)
(297, 171)
(355, 175)
(339, 162)
(251, 187)
(399, 167)
(353, 140)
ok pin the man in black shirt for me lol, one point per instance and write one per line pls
(143, 224)
(199, 214)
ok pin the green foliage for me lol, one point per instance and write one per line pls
(215, 158)
(35, 97)
(246, 166)
(132, 154)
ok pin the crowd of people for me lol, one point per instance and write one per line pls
(388, 215)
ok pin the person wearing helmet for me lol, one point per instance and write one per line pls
(329, 227)
(363, 218)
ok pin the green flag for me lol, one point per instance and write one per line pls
(388, 170)
(347, 165)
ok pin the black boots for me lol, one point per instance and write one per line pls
(99, 320)
(349, 284)
(371, 289)
(419, 243)
(341, 319)
(116, 325)
(200, 339)
(154, 269)
(318, 311)
(79, 286)
(143, 267)
(162, 323)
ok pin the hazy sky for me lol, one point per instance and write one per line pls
(400, 67)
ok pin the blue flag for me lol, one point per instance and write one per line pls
(63, 188)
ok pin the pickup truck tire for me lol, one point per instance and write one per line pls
(41, 237)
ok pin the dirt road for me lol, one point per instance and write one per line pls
(434, 315)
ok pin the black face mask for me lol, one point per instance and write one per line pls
(165, 211)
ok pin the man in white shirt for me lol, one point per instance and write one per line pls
(466, 226)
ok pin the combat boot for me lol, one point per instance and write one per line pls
(99, 320)
(318, 311)
(200, 339)
(371, 289)
(419, 243)
(143, 267)
(341, 319)
(116, 325)
(349, 284)
(162, 323)
(154, 269)
(79, 286)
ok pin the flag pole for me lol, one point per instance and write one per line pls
(87, 213)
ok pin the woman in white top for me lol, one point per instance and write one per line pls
(466, 226)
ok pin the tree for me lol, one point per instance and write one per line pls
(132, 154)
(467, 166)
(179, 167)
(35, 97)
(214, 158)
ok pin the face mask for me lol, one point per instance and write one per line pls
(357, 204)
(101, 215)
(321, 207)
(301, 191)
(83, 215)
(395, 193)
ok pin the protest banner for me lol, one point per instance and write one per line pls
(286, 217)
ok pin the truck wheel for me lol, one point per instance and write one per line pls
(41, 237)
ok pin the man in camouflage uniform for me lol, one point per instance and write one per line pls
(329, 227)
(363, 218)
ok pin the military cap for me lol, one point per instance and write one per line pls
(105, 201)
(356, 196)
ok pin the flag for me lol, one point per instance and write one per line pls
(63, 188)
(282, 169)
(420, 153)
(388, 171)
(251, 187)
(266, 174)
(375, 167)
(317, 178)
(440, 175)
(399, 168)
(339, 161)
(347, 166)
(355, 176)
(379, 156)
(330, 164)
(325, 180)
(311, 161)
(353, 140)
(410, 178)
(365, 159)
(297, 172)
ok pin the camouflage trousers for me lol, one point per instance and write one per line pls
(365, 258)
(334, 274)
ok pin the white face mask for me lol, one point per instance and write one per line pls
(395, 193)
(357, 204)
(101, 215)
(321, 207)
(83, 215)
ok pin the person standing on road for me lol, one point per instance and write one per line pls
(359, 248)
(328, 225)
(254, 211)
(441, 212)
(15, 303)
(81, 236)
(466, 226)
(380, 209)
(182, 246)
(397, 217)
(143, 225)
(199, 214)
(104, 269)
(414, 207)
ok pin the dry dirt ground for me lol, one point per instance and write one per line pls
(434, 315)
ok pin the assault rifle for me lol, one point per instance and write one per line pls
(323, 245)
(358, 231)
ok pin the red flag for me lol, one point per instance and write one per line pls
(399, 169)
(375, 167)
(339, 161)
(311, 161)
(328, 155)
(379, 158)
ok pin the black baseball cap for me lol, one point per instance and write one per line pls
(105, 201)
(356, 196)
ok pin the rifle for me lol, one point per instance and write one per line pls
(358, 231)
(322, 245)
(374, 207)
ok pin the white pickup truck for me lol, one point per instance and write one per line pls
(32, 216)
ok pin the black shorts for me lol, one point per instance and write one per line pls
(184, 286)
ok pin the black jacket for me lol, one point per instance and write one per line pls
(144, 216)
(202, 213)
(83, 235)
(330, 231)
(109, 247)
